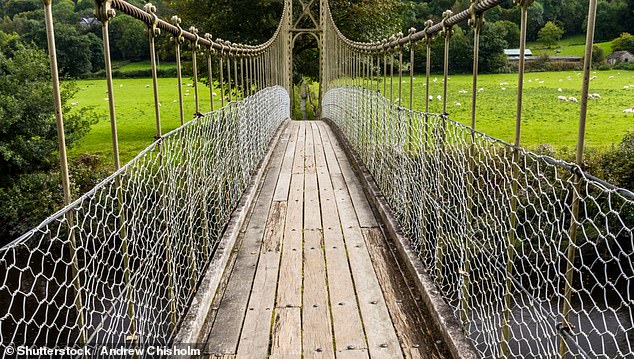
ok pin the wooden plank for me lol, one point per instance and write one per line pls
(254, 340)
(316, 324)
(225, 331)
(382, 339)
(290, 278)
(413, 329)
(309, 150)
(361, 204)
(284, 181)
(348, 329)
(298, 161)
(286, 339)
(381, 335)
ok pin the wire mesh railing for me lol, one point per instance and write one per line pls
(493, 225)
(121, 264)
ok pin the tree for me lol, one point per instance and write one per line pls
(28, 136)
(598, 56)
(30, 187)
(510, 31)
(550, 34)
(625, 42)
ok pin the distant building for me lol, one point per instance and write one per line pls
(89, 22)
(620, 56)
(515, 53)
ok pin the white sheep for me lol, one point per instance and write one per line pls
(120, 86)
(75, 104)
(431, 98)
(106, 99)
(189, 85)
(594, 96)
(439, 98)
(626, 87)
(458, 104)
(147, 86)
(541, 82)
(215, 94)
(435, 79)
(481, 89)
(462, 91)
(560, 90)
(572, 99)
(629, 110)
(503, 88)
(562, 98)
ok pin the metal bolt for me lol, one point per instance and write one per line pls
(383, 345)
(351, 347)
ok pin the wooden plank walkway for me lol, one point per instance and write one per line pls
(313, 275)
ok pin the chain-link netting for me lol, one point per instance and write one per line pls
(495, 229)
(122, 263)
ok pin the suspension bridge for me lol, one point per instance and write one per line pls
(378, 231)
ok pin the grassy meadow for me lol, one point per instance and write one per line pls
(136, 122)
(546, 119)
(570, 46)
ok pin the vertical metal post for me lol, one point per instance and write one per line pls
(400, 75)
(195, 47)
(385, 72)
(476, 21)
(105, 13)
(229, 59)
(210, 75)
(392, 72)
(63, 161)
(412, 31)
(428, 39)
(153, 32)
(178, 40)
(222, 80)
(446, 33)
(506, 327)
(577, 192)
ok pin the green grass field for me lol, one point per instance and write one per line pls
(571, 46)
(546, 120)
(135, 113)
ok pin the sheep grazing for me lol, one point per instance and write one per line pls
(462, 92)
(626, 87)
(611, 77)
(541, 82)
(189, 85)
(629, 110)
(435, 79)
(594, 96)
(562, 98)
(147, 86)
(74, 104)
(458, 104)
(431, 98)
(481, 89)
(120, 86)
(106, 99)
(572, 99)
(559, 89)
(439, 98)
(503, 88)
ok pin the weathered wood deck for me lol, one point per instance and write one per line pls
(314, 275)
